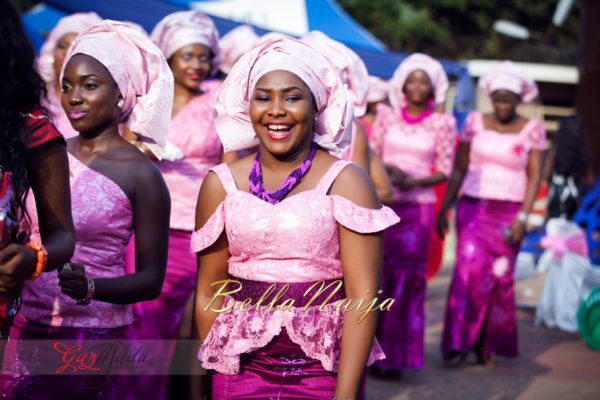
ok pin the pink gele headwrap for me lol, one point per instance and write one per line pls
(74, 23)
(508, 76)
(412, 63)
(334, 106)
(182, 28)
(378, 90)
(349, 65)
(235, 44)
(141, 72)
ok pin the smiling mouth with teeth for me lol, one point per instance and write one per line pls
(278, 131)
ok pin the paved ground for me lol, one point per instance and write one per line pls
(552, 364)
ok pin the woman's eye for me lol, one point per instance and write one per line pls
(91, 85)
(204, 59)
(186, 57)
(293, 98)
(261, 98)
(65, 88)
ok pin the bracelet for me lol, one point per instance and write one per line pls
(42, 259)
(91, 288)
(522, 216)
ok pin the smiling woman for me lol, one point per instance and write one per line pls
(323, 223)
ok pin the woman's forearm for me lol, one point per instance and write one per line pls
(357, 338)
(432, 180)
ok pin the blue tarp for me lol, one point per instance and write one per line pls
(148, 12)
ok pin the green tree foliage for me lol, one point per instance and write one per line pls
(462, 29)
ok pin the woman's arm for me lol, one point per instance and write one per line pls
(534, 175)
(48, 172)
(151, 212)
(212, 262)
(212, 267)
(461, 165)
(380, 179)
(361, 256)
(409, 183)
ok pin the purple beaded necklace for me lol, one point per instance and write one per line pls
(256, 187)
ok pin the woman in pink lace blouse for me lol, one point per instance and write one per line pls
(417, 146)
(289, 215)
(113, 74)
(497, 170)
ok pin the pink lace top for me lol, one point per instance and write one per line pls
(498, 161)
(193, 132)
(103, 220)
(417, 149)
(296, 240)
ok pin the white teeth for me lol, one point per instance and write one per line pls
(278, 127)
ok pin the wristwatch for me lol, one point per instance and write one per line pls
(91, 287)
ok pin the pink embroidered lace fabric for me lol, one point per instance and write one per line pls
(103, 220)
(193, 132)
(498, 161)
(293, 241)
(417, 149)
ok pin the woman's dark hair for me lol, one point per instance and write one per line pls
(21, 90)
(573, 156)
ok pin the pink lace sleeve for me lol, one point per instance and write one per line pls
(360, 219)
(469, 127)
(210, 232)
(536, 136)
(445, 144)
(380, 128)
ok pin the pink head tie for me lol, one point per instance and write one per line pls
(182, 28)
(378, 90)
(334, 108)
(507, 76)
(415, 62)
(235, 44)
(74, 23)
(348, 64)
(141, 73)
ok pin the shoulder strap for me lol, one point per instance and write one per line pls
(226, 177)
(327, 179)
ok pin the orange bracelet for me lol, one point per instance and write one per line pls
(42, 259)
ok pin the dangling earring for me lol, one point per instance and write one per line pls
(120, 103)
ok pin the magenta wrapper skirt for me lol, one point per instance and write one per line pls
(480, 313)
(401, 331)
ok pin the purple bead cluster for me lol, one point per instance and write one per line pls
(257, 188)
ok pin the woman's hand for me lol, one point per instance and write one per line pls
(409, 183)
(72, 280)
(17, 263)
(396, 174)
(442, 223)
(517, 230)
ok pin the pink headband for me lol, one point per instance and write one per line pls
(334, 108)
(508, 76)
(74, 23)
(235, 44)
(378, 90)
(412, 63)
(141, 73)
(349, 65)
(182, 28)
